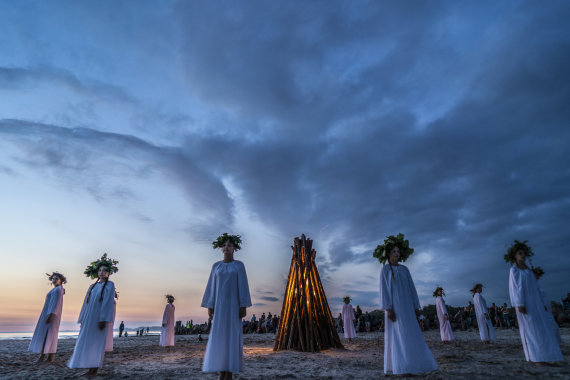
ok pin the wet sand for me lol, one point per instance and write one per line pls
(142, 358)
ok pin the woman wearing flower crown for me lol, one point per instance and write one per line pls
(167, 330)
(405, 349)
(484, 323)
(226, 297)
(44, 340)
(444, 326)
(538, 338)
(96, 316)
(348, 318)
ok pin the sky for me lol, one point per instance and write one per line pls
(145, 129)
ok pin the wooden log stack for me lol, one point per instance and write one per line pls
(306, 320)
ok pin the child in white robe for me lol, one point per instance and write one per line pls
(537, 335)
(405, 348)
(348, 318)
(167, 330)
(96, 314)
(226, 297)
(444, 325)
(484, 323)
(44, 340)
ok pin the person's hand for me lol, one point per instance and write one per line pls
(49, 318)
(486, 316)
(102, 325)
(521, 309)
(242, 312)
(391, 315)
(446, 316)
(210, 312)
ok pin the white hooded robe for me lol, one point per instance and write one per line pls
(405, 349)
(167, 331)
(90, 345)
(537, 335)
(444, 325)
(227, 291)
(45, 334)
(486, 330)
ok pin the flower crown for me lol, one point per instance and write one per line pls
(234, 239)
(170, 298)
(517, 245)
(57, 274)
(475, 287)
(346, 299)
(93, 268)
(382, 252)
(437, 290)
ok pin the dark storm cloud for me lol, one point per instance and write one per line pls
(445, 121)
(455, 134)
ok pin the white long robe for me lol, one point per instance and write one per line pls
(486, 330)
(444, 326)
(548, 309)
(90, 345)
(348, 318)
(226, 292)
(167, 331)
(45, 334)
(405, 349)
(538, 338)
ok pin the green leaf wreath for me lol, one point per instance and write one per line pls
(93, 268)
(346, 299)
(475, 287)
(517, 245)
(170, 298)
(382, 252)
(437, 290)
(57, 274)
(234, 239)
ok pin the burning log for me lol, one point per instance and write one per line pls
(306, 320)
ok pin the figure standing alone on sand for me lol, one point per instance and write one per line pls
(537, 335)
(167, 330)
(348, 318)
(486, 330)
(95, 317)
(226, 297)
(444, 325)
(44, 340)
(405, 349)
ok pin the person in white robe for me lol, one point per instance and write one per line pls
(537, 335)
(226, 298)
(167, 330)
(348, 318)
(44, 340)
(444, 325)
(484, 323)
(95, 316)
(405, 349)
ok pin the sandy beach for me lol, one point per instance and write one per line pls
(142, 358)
